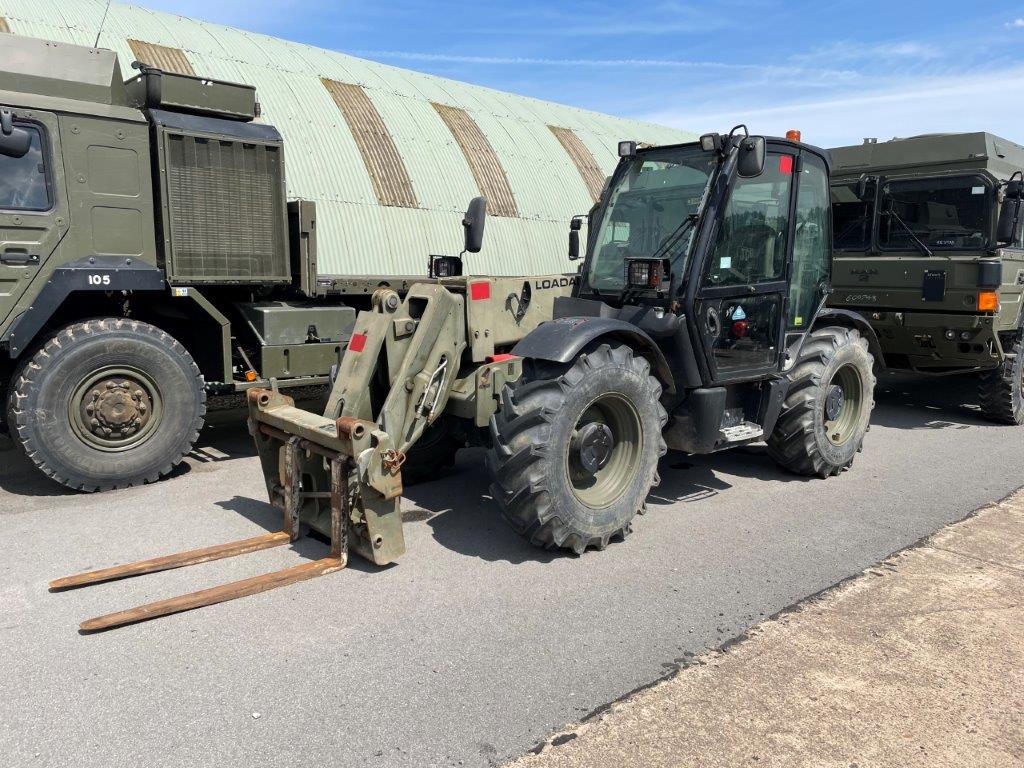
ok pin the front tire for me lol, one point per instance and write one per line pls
(106, 404)
(575, 448)
(827, 410)
(1002, 391)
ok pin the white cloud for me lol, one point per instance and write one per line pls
(1016, 24)
(979, 102)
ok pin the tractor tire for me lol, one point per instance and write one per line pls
(1001, 391)
(433, 454)
(575, 448)
(107, 403)
(827, 411)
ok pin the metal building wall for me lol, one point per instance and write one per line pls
(370, 221)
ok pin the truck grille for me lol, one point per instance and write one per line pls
(226, 211)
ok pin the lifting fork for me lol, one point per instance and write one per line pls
(292, 501)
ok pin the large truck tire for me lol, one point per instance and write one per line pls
(1001, 391)
(827, 411)
(575, 448)
(107, 403)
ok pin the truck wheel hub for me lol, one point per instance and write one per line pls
(113, 410)
(593, 445)
(834, 401)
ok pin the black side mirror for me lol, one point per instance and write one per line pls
(15, 143)
(752, 155)
(1009, 221)
(473, 223)
(574, 238)
(865, 189)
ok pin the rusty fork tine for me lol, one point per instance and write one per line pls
(168, 562)
(214, 595)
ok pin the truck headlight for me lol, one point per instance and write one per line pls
(647, 274)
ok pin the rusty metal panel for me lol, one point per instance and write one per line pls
(388, 174)
(483, 161)
(161, 56)
(582, 158)
(3, 25)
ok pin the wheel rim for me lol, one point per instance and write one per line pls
(844, 397)
(115, 408)
(603, 455)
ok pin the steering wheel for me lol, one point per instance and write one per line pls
(759, 234)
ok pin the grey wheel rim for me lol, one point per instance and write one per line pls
(844, 400)
(115, 408)
(604, 451)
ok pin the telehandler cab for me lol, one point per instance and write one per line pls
(696, 322)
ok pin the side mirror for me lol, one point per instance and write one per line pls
(865, 189)
(574, 238)
(752, 155)
(1009, 221)
(16, 143)
(473, 223)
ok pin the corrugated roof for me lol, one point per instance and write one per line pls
(547, 176)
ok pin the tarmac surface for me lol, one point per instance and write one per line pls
(474, 647)
(917, 663)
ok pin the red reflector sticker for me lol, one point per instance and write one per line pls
(786, 164)
(479, 291)
(357, 342)
(498, 358)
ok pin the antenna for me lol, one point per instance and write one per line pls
(102, 22)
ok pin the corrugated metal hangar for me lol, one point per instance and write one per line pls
(390, 156)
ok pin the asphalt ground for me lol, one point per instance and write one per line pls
(475, 646)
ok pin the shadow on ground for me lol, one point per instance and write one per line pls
(918, 402)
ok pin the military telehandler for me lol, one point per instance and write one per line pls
(696, 323)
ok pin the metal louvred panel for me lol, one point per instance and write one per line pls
(483, 162)
(585, 163)
(161, 57)
(388, 173)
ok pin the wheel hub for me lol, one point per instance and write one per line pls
(117, 408)
(834, 401)
(593, 445)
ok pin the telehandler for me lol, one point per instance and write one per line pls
(696, 322)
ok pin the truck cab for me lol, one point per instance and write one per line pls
(919, 251)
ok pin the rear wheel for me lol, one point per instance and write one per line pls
(1002, 391)
(575, 448)
(827, 410)
(106, 404)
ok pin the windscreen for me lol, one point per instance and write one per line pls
(945, 213)
(647, 212)
(852, 218)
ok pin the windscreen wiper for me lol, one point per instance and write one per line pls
(913, 237)
(674, 236)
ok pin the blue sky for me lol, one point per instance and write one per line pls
(839, 71)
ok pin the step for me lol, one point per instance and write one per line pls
(742, 433)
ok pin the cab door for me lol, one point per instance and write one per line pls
(33, 207)
(744, 290)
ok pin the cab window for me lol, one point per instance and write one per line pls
(23, 180)
(750, 246)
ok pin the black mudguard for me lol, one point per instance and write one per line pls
(560, 341)
(848, 319)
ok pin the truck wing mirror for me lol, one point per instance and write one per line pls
(1009, 221)
(865, 189)
(15, 143)
(1009, 211)
(574, 238)
(473, 222)
(751, 159)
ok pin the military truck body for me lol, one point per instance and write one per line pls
(149, 258)
(947, 189)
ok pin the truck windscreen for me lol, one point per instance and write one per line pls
(943, 213)
(648, 207)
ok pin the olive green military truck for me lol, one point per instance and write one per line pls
(696, 323)
(928, 248)
(148, 258)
